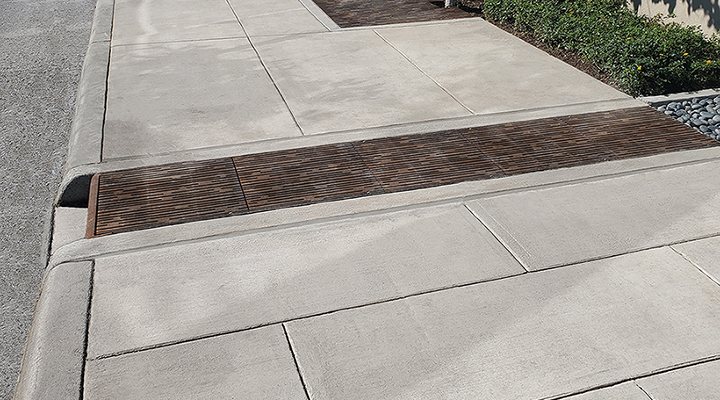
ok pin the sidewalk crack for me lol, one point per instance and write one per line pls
(643, 390)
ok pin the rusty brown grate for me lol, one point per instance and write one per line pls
(166, 195)
(142, 198)
(304, 176)
(652, 132)
(538, 145)
(420, 161)
(354, 13)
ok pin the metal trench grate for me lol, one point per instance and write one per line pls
(652, 132)
(304, 176)
(148, 197)
(522, 147)
(355, 13)
(420, 161)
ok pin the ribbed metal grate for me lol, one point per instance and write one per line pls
(304, 176)
(352, 13)
(148, 197)
(165, 195)
(535, 145)
(637, 132)
(419, 161)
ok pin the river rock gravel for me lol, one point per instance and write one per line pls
(700, 113)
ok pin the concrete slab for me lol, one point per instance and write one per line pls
(249, 8)
(68, 226)
(528, 337)
(53, 361)
(351, 80)
(179, 96)
(703, 253)
(696, 382)
(254, 364)
(155, 21)
(173, 293)
(290, 22)
(623, 391)
(491, 71)
(577, 222)
(276, 17)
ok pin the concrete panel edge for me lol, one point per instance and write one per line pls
(657, 100)
(55, 350)
(320, 15)
(112, 164)
(86, 132)
(85, 144)
(102, 21)
(461, 192)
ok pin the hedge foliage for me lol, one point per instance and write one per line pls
(644, 56)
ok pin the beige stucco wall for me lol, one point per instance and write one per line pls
(705, 13)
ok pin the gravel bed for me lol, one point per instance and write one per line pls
(700, 113)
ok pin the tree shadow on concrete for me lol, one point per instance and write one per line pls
(709, 7)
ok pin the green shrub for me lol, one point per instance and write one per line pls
(644, 56)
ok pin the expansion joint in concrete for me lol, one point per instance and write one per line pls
(498, 238)
(267, 71)
(87, 331)
(297, 365)
(107, 85)
(701, 269)
(414, 64)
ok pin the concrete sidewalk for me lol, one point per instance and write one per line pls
(592, 282)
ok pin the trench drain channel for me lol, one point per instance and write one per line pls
(149, 197)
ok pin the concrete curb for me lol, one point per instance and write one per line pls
(101, 30)
(658, 100)
(86, 135)
(53, 360)
(53, 363)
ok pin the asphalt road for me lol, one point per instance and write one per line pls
(42, 45)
